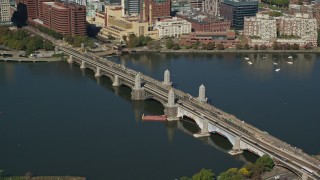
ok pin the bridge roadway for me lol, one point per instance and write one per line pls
(291, 157)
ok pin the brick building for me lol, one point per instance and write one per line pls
(227, 38)
(205, 22)
(154, 9)
(65, 18)
(34, 7)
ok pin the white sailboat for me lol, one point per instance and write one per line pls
(277, 70)
(246, 58)
(250, 63)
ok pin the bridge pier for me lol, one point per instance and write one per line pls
(166, 80)
(98, 72)
(56, 49)
(202, 94)
(204, 130)
(116, 81)
(83, 65)
(171, 109)
(70, 59)
(236, 149)
(138, 92)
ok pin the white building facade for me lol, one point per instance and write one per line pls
(261, 28)
(302, 26)
(172, 27)
(212, 7)
(5, 16)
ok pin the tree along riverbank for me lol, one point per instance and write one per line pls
(315, 50)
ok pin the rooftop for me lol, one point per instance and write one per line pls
(240, 2)
(199, 17)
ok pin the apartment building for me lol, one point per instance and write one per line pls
(300, 26)
(262, 28)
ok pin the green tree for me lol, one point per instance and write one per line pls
(124, 37)
(245, 172)
(196, 45)
(204, 174)
(169, 43)
(47, 45)
(308, 46)
(255, 47)
(246, 46)
(295, 46)
(275, 45)
(231, 174)
(220, 47)
(263, 47)
(175, 46)
(239, 46)
(266, 162)
(318, 42)
(210, 46)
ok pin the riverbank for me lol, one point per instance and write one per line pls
(43, 178)
(23, 59)
(215, 51)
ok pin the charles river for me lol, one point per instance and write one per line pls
(58, 120)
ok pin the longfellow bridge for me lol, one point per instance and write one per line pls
(210, 119)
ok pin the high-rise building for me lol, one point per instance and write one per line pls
(212, 7)
(34, 7)
(5, 11)
(65, 18)
(235, 11)
(154, 9)
(131, 7)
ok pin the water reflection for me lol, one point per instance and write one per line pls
(9, 70)
(185, 125)
(263, 65)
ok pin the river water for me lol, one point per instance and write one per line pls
(58, 120)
